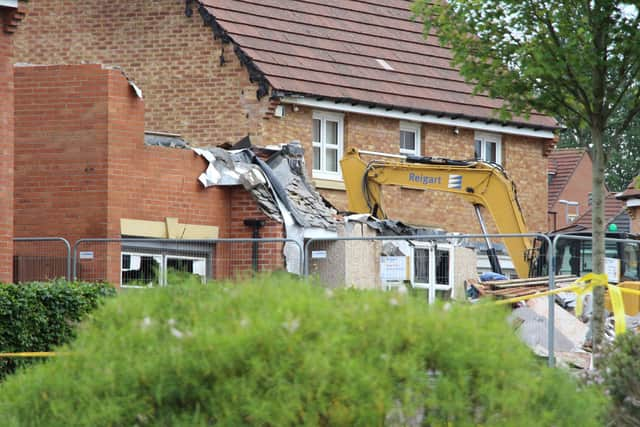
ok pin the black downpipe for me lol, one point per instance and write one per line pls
(257, 224)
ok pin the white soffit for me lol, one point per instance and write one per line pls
(9, 3)
(417, 117)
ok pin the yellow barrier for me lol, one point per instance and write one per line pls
(580, 287)
(32, 354)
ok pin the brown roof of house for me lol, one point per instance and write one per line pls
(612, 208)
(562, 163)
(632, 191)
(333, 50)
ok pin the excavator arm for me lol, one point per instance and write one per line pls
(480, 183)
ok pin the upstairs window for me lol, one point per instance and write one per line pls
(327, 144)
(488, 147)
(409, 138)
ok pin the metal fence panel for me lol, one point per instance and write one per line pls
(41, 259)
(161, 262)
(434, 265)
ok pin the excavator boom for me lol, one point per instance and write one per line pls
(478, 182)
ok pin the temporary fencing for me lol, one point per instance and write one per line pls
(41, 259)
(159, 262)
(437, 264)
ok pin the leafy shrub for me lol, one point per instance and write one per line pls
(38, 316)
(275, 351)
(621, 376)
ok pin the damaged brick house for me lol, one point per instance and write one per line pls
(332, 76)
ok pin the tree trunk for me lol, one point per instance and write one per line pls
(598, 230)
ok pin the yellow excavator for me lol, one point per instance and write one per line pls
(480, 183)
(485, 185)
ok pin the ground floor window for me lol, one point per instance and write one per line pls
(144, 269)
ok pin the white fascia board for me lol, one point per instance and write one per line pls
(633, 203)
(9, 3)
(416, 117)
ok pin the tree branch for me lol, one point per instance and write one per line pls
(582, 94)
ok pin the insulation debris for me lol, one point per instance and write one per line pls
(275, 183)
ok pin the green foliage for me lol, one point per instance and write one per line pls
(39, 316)
(622, 379)
(578, 61)
(277, 351)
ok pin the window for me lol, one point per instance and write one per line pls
(488, 147)
(409, 138)
(327, 144)
(432, 268)
(152, 264)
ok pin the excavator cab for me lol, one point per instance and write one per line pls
(574, 256)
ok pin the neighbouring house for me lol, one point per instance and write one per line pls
(9, 18)
(615, 212)
(570, 173)
(349, 74)
(631, 198)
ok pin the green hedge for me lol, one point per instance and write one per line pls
(38, 316)
(278, 352)
(621, 376)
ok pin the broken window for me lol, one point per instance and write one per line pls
(327, 144)
(141, 270)
(155, 265)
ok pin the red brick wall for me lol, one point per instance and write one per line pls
(635, 219)
(522, 157)
(6, 153)
(577, 190)
(82, 166)
(61, 151)
(173, 58)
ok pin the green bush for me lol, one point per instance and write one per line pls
(275, 351)
(621, 376)
(39, 316)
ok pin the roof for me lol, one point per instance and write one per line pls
(632, 191)
(363, 51)
(614, 212)
(562, 163)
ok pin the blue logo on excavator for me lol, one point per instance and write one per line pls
(455, 181)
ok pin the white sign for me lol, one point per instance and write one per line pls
(318, 254)
(612, 268)
(86, 255)
(393, 268)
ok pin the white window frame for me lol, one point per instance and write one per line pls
(432, 286)
(325, 116)
(162, 263)
(484, 138)
(141, 254)
(415, 129)
(166, 258)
